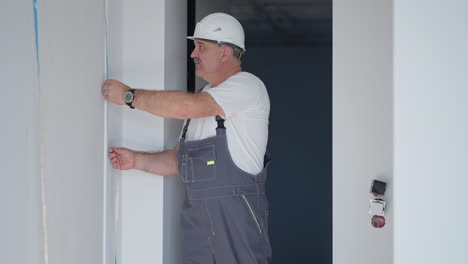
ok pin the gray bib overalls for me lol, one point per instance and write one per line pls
(225, 216)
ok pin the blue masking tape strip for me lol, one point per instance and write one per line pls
(41, 147)
(37, 34)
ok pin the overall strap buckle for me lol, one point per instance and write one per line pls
(220, 121)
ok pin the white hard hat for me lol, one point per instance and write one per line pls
(220, 27)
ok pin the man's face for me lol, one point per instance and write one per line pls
(207, 58)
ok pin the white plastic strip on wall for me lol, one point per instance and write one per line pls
(106, 163)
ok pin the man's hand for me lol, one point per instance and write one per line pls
(122, 158)
(113, 91)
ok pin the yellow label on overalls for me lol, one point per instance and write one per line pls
(211, 162)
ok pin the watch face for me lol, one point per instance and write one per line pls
(128, 97)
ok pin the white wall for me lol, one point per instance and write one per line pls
(362, 128)
(71, 49)
(430, 124)
(20, 221)
(431, 128)
(53, 129)
(147, 49)
(58, 127)
(136, 57)
(55, 158)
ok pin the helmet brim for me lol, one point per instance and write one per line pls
(201, 38)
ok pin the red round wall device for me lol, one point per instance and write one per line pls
(378, 221)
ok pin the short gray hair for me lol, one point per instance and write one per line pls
(237, 52)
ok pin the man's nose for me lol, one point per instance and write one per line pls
(194, 53)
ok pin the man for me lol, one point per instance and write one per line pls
(220, 155)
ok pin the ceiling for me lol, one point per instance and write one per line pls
(281, 23)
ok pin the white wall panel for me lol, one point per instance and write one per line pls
(136, 57)
(431, 128)
(71, 47)
(362, 128)
(20, 221)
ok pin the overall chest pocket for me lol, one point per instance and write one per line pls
(199, 164)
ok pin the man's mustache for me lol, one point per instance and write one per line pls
(196, 60)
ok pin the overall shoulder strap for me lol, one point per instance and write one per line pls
(184, 132)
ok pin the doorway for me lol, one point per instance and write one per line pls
(289, 47)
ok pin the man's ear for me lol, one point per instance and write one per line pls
(227, 52)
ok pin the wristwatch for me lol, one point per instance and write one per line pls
(128, 98)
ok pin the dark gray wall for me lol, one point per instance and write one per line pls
(299, 187)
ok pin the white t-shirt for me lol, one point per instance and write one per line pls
(246, 105)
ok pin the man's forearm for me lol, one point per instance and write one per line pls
(161, 163)
(176, 104)
(171, 104)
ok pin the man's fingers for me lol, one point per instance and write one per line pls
(105, 87)
(119, 150)
(115, 150)
(115, 165)
(115, 162)
(112, 153)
